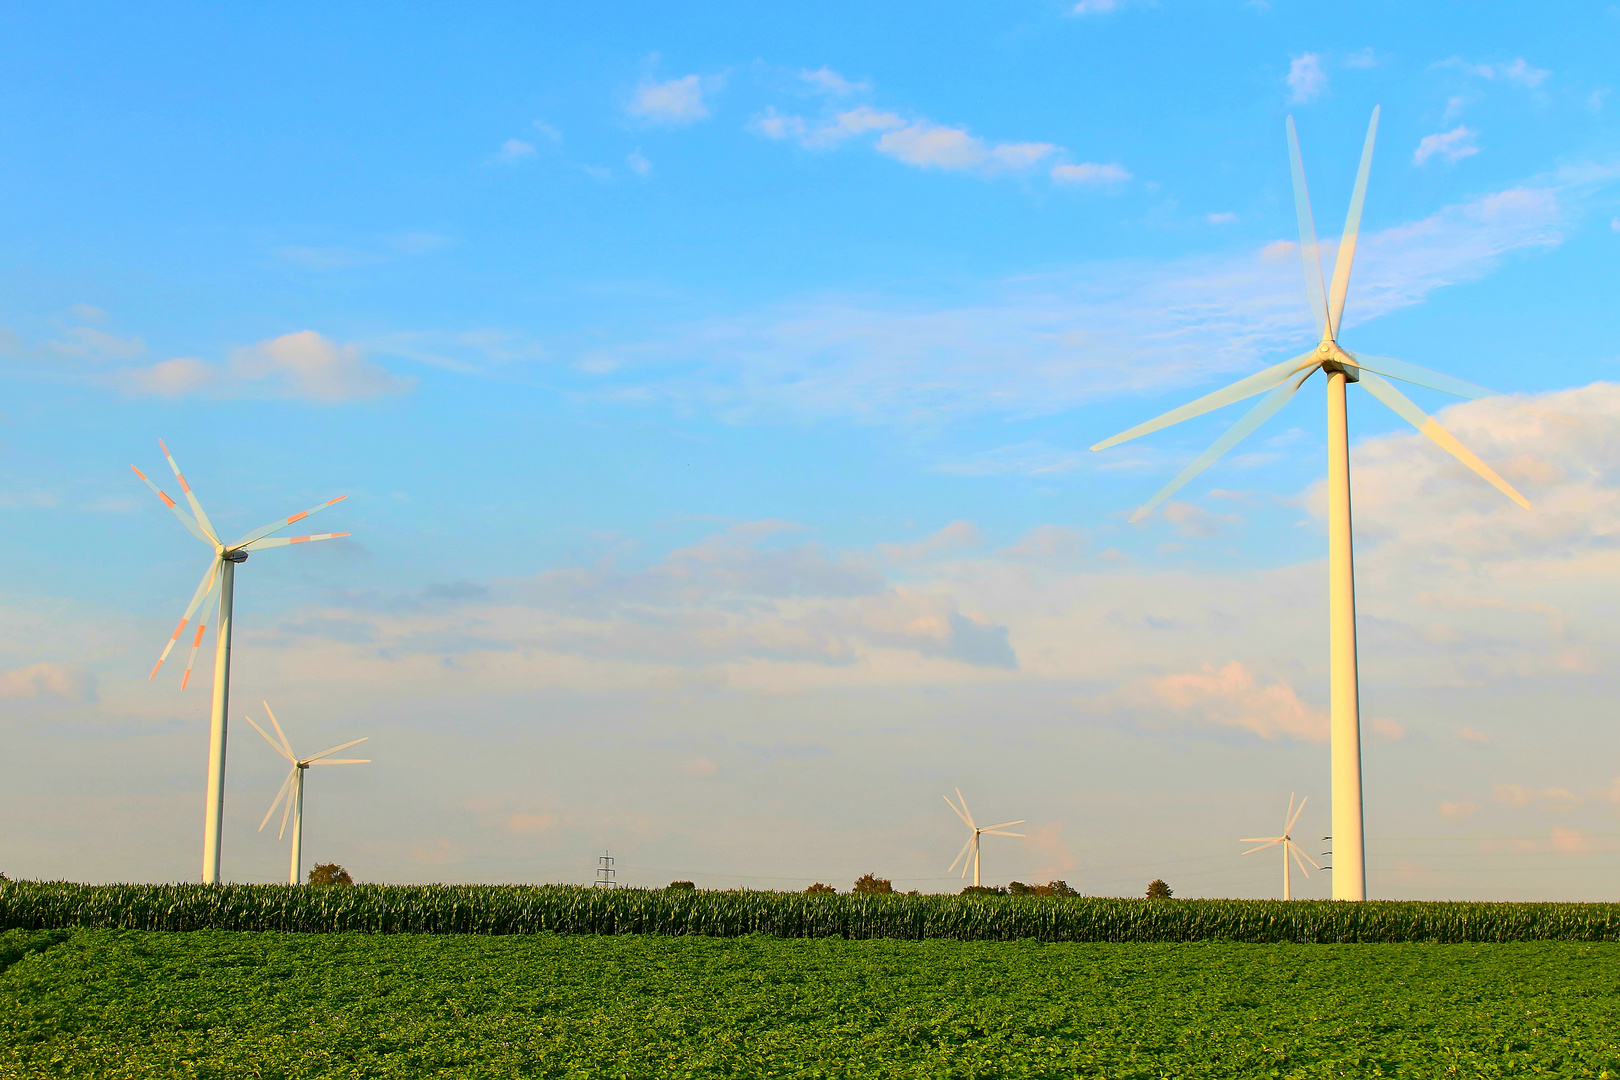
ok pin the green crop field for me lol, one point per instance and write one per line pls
(123, 1003)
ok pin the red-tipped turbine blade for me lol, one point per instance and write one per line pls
(282, 523)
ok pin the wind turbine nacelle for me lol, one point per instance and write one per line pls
(235, 556)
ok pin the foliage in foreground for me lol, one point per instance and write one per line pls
(124, 1004)
(565, 909)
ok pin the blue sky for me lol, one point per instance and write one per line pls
(712, 392)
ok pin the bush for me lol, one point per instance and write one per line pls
(1158, 890)
(818, 887)
(1053, 888)
(329, 874)
(868, 884)
(984, 890)
(682, 886)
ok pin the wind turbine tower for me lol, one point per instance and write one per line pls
(973, 840)
(292, 788)
(1279, 384)
(219, 579)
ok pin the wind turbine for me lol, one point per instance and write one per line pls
(1288, 846)
(973, 841)
(1279, 383)
(220, 577)
(295, 785)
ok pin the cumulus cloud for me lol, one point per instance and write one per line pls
(1306, 79)
(1456, 811)
(827, 81)
(66, 681)
(1231, 697)
(957, 536)
(302, 365)
(1453, 145)
(675, 102)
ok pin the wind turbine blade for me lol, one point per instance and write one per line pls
(280, 541)
(343, 761)
(203, 588)
(1294, 813)
(282, 523)
(277, 747)
(191, 658)
(285, 784)
(286, 811)
(335, 749)
(1258, 383)
(1262, 847)
(1308, 254)
(1299, 852)
(1258, 839)
(1003, 825)
(957, 809)
(191, 497)
(1259, 414)
(960, 855)
(993, 832)
(967, 815)
(1384, 391)
(1434, 380)
(290, 755)
(1352, 228)
(185, 519)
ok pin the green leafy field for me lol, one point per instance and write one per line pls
(118, 1003)
(565, 909)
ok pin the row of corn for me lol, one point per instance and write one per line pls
(563, 909)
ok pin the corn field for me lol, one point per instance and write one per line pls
(562, 909)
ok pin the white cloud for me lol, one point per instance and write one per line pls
(1514, 71)
(96, 346)
(933, 146)
(67, 681)
(1090, 173)
(827, 81)
(957, 536)
(1095, 7)
(1363, 58)
(515, 150)
(676, 102)
(1453, 145)
(1306, 79)
(1047, 543)
(1230, 697)
(302, 365)
(638, 164)
(1038, 343)
(1223, 218)
(1614, 224)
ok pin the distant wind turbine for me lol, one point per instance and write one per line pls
(220, 577)
(973, 841)
(1279, 383)
(1288, 846)
(292, 788)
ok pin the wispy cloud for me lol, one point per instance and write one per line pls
(514, 150)
(69, 682)
(1453, 145)
(1516, 71)
(1306, 79)
(302, 365)
(674, 102)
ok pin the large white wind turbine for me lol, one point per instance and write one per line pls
(1279, 383)
(220, 577)
(1288, 846)
(292, 788)
(973, 841)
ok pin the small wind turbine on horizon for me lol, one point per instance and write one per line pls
(292, 788)
(1279, 383)
(219, 578)
(973, 841)
(1288, 846)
